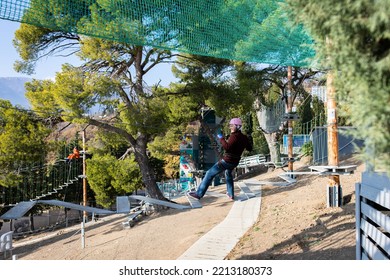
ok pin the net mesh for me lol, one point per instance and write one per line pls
(245, 30)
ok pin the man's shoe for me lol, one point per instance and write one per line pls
(194, 195)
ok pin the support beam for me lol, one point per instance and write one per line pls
(290, 122)
(333, 143)
(84, 176)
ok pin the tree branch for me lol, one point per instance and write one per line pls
(112, 128)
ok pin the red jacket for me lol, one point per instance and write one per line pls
(234, 146)
(75, 154)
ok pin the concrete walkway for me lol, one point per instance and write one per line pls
(218, 242)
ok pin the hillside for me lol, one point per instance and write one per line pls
(294, 223)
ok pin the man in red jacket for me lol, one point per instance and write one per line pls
(74, 155)
(233, 149)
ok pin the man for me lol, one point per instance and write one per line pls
(233, 149)
(74, 155)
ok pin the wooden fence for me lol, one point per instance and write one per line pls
(373, 217)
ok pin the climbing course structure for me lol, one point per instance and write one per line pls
(44, 181)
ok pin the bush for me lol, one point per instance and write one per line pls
(307, 149)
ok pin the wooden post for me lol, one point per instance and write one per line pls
(334, 188)
(84, 176)
(289, 122)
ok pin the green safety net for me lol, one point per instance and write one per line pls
(244, 30)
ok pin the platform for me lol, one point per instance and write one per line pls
(334, 170)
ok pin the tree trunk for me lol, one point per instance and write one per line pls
(140, 147)
(32, 227)
(147, 171)
(273, 145)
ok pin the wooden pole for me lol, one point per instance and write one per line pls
(84, 176)
(333, 143)
(289, 122)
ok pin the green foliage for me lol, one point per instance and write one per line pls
(260, 145)
(158, 167)
(109, 177)
(149, 116)
(272, 95)
(33, 42)
(182, 109)
(305, 123)
(111, 79)
(72, 95)
(166, 144)
(171, 167)
(358, 51)
(106, 142)
(209, 82)
(245, 30)
(22, 141)
(318, 108)
(304, 110)
(39, 95)
(99, 179)
(307, 149)
(166, 149)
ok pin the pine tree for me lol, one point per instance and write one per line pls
(353, 39)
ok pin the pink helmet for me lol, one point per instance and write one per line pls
(236, 121)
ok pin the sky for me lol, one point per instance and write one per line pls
(47, 67)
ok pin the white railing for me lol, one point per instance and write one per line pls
(373, 217)
(251, 161)
(6, 243)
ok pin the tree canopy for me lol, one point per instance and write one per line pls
(353, 39)
(17, 150)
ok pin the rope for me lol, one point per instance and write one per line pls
(41, 182)
(253, 31)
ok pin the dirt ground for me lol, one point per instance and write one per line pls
(294, 223)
